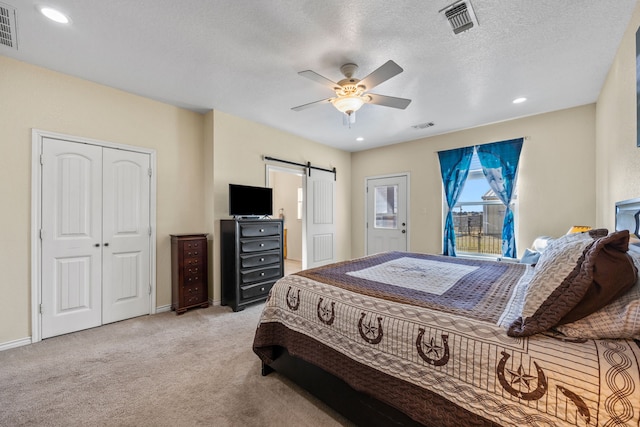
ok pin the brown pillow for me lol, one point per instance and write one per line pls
(613, 274)
(571, 268)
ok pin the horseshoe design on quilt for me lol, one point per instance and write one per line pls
(369, 332)
(326, 312)
(293, 301)
(522, 378)
(583, 409)
(433, 349)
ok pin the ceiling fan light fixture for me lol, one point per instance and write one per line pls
(348, 104)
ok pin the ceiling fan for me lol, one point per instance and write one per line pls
(352, 93)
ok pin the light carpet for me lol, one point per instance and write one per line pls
(162, 370)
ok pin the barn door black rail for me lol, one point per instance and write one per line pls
(308, 166)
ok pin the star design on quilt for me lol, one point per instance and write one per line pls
(520, 377)
(370, 330)
(432, 348)
(325, 311)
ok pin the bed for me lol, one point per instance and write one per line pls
(414, 339)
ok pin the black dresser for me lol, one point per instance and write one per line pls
(250, 258)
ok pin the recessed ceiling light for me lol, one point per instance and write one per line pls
(519, 100)
(54, 15)
(359, 138)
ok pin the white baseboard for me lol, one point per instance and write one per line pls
(163, 308)
(15, 343)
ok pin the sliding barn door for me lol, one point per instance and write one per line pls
(320, 218)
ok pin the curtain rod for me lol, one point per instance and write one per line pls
(308, 166)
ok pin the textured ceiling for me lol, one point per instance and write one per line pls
(242, 57)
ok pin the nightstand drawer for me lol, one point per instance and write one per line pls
(249, 276)
(257, 290)
(255, 245)
(255, 230)
(250, 261)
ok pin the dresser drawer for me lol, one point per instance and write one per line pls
(257, 290)
(194, 262)
(255, 245)
(258, 260)
(193, 294)
(250, 276)
(193, 246)
(255, 230)
(191, 278)
(193, 253)
(193, 271)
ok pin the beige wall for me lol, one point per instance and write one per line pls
(617, 156)
(556, 176)
(239, 147)
(33, 97)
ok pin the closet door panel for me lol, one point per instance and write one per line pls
(71, 237)
(126, 235)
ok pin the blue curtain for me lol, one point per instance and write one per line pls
(499, 162)
(454, 168)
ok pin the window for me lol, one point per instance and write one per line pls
(479, 215)
(386, 206)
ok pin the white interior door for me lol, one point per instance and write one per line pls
(126, 235)
(320, 218)
(95, 236)
(387, 219)
(71, 236)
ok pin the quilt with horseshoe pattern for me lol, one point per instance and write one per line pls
(418, 330)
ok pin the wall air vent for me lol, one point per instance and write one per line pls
(8, 33)
(460, 16)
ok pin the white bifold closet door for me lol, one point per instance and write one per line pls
(95, 236)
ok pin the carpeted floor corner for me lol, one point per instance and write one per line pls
(196, 369)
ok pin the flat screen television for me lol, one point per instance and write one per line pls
(245, 200)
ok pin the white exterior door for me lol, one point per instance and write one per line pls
(387, 214)
(320, 242)
(71, 236)
(95, 236)
(126, 235)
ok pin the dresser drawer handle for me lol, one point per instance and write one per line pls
(262, 289)
(262, 273)
(261, 244)
(262, 230)
(195, 253)
(261, 259)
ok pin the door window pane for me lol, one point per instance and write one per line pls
(386, 206)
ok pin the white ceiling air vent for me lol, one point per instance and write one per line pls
(8, 33)
(423, 125)
(460, 16)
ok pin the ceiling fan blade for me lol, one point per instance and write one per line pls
(312, 75)
(389, 101)
(382, 74)
(311, 104)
